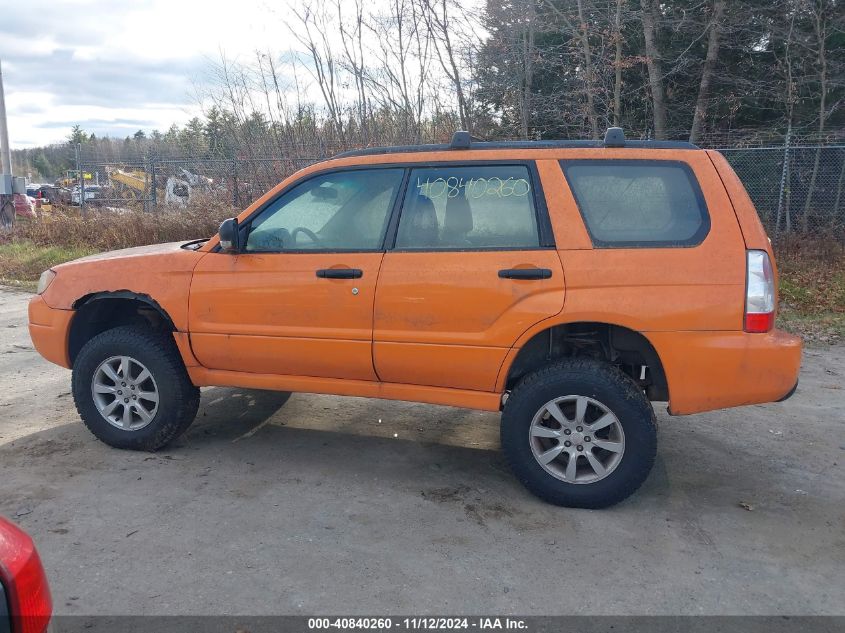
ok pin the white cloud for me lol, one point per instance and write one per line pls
(114, 67)
(109, 65)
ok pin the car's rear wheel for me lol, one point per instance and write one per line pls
(132, 390)
(579, 433)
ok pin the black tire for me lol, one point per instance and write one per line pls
(178, 397)
(612, 388)
(282, 397)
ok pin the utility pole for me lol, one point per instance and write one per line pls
(7, 205)
(4, 132)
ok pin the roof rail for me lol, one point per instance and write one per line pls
(614, 137)
(462, 140)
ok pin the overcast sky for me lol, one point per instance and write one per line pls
(115, 66)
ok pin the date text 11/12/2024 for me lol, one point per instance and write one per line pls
(418, 623)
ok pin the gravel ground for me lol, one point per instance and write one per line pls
(346, 505)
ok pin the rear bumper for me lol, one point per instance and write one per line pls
(717, 370)
(791, 392)
(49, 329)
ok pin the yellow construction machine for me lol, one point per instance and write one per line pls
(177, 190)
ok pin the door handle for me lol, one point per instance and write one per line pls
(525, 273)
(340, 273)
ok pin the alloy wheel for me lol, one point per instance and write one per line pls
(577, 439)
(125, 393)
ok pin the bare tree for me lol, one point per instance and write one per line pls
(528, 34)
(715, 27)
(324, 67)
(581, 34)
(819, 13)
(589, 79)
(399, 79)
(655, 71)
(351, 30)
(438, 19)
(617, 64)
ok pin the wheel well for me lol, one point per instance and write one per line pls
(103, 311)
(625, 348)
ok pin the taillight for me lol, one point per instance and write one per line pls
(32, 595)
(22, 575)
(759, 293)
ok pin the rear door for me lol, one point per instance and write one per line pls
(473, 265)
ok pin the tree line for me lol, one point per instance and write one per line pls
(714, 72)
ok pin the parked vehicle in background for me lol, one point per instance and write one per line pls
(567, 284)
(41, 194)
(24, 206)
(25, 602)
(60, 195)
(178, 190)
(91, 192)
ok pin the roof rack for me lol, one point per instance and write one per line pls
(462, 140)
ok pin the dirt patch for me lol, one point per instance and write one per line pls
(472, 501)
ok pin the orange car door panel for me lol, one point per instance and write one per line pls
(272, 314)
(448, 319)
(298, 298)
(466, 278)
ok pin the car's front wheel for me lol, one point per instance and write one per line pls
(579, 433)
(132, 390)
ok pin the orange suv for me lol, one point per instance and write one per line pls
(566, 284)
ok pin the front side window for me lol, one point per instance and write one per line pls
(344, 210)
(638, 203)
(468, 207)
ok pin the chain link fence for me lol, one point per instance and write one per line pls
(175, 183)
(796, 189)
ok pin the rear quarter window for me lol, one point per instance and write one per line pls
(638, 203)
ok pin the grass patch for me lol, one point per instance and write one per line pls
(24, 261)
(62, 235)
(104, 230)
(828, 328)
(812, 289)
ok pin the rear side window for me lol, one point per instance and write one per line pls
(468, 207)
(638, 203)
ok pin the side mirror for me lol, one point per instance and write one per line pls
(229, 236)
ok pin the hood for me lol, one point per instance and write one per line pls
(125, 253)
(160, 271)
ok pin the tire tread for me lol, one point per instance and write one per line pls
(181, 409)
(590, 370)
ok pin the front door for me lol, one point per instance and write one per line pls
(298, 299)
(473, 267)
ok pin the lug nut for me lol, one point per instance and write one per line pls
(580, 448)
(579, 428)
(126, 399)
(567, 443)
(123, 384)
(586, 439)
(567, 432)
(120, 393)
(136, 397)
(133, 386)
